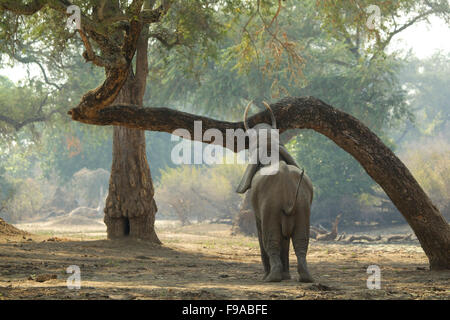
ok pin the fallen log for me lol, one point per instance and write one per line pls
(334, 232)
(363, 237)
(408, 237)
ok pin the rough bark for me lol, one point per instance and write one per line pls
(130, 208)
(346, 131)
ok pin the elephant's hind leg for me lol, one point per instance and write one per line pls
(285, 258)
(276, 268)
(264, 256)
(300, 240)
(272, 246)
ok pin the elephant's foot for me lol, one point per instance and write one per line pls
(303, 271)
(274, 276)
(265, 276)
(305, 277)
(286, 276)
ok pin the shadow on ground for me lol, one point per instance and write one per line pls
(210, 266)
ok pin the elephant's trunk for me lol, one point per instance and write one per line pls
(246, 114)
(272, 116)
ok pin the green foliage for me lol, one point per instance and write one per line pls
(30, 96)
(337, 176)
(248, 63)
(26, 201)
(348, 20)
(67, 149)
(6, 190)
(370, 92)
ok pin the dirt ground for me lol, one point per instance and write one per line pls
(202, 261)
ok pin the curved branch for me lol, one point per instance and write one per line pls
(20, 124)
(31, 59)
(89, 54)
(346, 131)
(39, 116)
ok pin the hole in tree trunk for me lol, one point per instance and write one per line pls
(126, 227)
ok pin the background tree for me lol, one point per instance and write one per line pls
(427, 82)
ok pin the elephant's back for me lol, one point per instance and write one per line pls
(275, 188)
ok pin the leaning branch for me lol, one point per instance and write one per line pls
(346, 131)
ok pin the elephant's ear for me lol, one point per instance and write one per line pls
(284, 155)
(246, 180)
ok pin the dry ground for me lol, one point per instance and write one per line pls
(202, 262)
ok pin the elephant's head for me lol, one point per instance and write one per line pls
(264, 135)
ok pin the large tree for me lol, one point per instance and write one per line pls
(112, 33)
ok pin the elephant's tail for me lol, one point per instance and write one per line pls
(287, 217)
(291, 208)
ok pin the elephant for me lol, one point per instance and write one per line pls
(281, 203)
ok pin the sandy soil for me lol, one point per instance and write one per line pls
(201, 262)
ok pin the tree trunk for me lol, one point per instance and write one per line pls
(130, 208)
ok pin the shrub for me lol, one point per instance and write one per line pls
(26, 201)
(89, 187)
(429, 162)
(199, 192)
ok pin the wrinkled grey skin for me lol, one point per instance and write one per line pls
(281, 212)
(271, 195)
